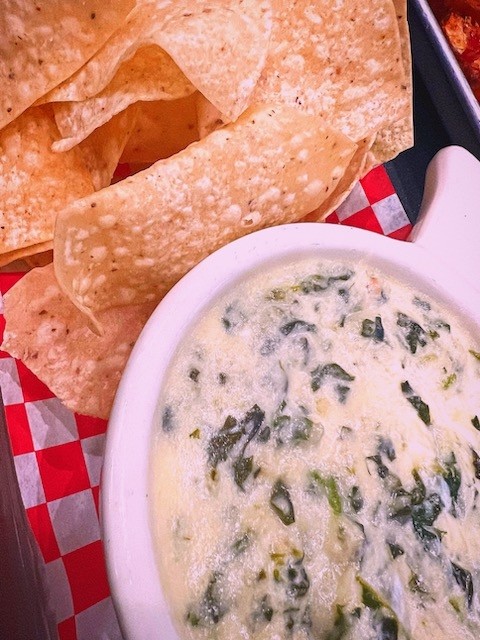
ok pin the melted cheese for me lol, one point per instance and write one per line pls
(316, 469)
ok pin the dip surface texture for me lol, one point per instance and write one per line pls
(316, 465)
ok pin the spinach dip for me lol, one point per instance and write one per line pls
(316, 464)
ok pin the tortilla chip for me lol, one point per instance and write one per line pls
(358, 167)
(150, 75)
(24, 253)
(162, 129)
(343, 62)
(132, 241)
(391, 141)
(34, 181)
(46, 332)
(44, 42)
(102, 149)
(398, 137)
(40, 259)
(206, 39)
(209, 117)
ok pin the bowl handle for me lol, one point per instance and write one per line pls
(449, 221)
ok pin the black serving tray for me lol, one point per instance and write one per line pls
(445, 110)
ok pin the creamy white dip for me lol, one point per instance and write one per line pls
(316, 467)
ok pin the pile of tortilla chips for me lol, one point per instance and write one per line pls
(234, 115)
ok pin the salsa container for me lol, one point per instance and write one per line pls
(452, 97)
(440, 259)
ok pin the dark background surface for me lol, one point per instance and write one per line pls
(439, 117)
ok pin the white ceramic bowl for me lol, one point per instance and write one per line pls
(442, 260)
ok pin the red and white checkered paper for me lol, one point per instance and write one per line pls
(58, 455)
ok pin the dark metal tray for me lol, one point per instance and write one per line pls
(445, 110)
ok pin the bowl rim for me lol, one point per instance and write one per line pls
(125, 508)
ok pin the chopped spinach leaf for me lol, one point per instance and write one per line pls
(423, 517)
(195, 434)
(221, 444)
(414, 334)
(193, 374)
(241, 545)
(400, 507)
(167, 419)
(476, 463)
(385, 446)
(264, 435)
(303, 345)
(476, 423)
(281, 503)
(210, 609)
(449, 380)
(475, 354)
(464, 580)
(373, 329)
(356, 499)
(455, 602)
(193, 618)
(317, 282)
(233, 318)
(388, 629)
(291, 616)
(242, 468)
(419, 492)
(233, 431)
(290, 429)
(382, 469)
(423, 304)
(296, 326)
(265, 610)
(341, 625)
(252, 422)
(383, 614)
(453, 477)
(330, 370)
(222, 378)
(370, 597)
(342, 391)
(416, 584)
(212, 605)
(395, 549)
(423, 410)
(298, 582)
(441, 324)
(329, 485)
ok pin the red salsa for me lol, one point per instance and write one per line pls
(460, 22)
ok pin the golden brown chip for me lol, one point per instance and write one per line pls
(162, 129)
(40, 259)
(34, 181)
(397, 137)
(24, 253)
(391, 141)
(46, 332)
(102, 149)
(44, 41)
(341, 60)
(132, 241)
(209, 117)
(220, 45)
(150, 75)
(358, 167)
